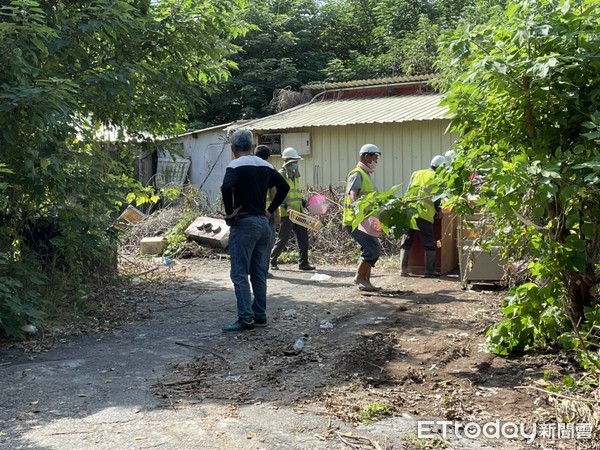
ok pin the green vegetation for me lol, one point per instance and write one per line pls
(522, 88)
(525, 103)
(292, 43)
(82, 84)
(413, 442)
(374, 412)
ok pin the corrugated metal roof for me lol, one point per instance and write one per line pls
(371, 82)
(204, 130)
(394, 109)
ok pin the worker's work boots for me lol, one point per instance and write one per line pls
(404, 263)
(362, 277)
(430, 271)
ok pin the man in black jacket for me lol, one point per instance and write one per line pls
(247, 179)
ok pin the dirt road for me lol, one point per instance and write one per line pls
(371, 368)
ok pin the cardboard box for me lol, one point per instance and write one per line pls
(446, 258)
(132, 215)
(477, 265)
(153, 245)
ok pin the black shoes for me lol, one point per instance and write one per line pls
(260, 323)
(240, 325)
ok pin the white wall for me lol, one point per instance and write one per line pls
(209, 156)
(405, 147)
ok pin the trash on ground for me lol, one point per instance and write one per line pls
(295, 348)
(320, 277)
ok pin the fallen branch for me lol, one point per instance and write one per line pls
(357, 441)
(146, 272)
(208, 350)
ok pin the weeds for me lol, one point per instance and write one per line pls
(330, 245)
(413, 442)
(374, 412)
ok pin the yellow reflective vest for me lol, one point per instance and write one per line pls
(367, 188)
(419, 185)
(293, 200)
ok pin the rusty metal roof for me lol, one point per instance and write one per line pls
(366, 83)
(393, 109)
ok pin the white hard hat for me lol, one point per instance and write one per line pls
(437, 161)
(290, 153)
(369, 149)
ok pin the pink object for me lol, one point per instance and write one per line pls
(371, 226)
(317, 204)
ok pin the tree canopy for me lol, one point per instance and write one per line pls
(296, 42)
(71, 70)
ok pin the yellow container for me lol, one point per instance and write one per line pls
(305, 220)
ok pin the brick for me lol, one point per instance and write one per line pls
(153, 245)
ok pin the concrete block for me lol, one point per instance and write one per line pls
(209, 231)
(153, 245)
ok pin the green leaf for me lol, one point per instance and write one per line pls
(589, 230)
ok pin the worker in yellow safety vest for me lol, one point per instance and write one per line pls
(264, 152)
(293, 201)
(358, 184)
(427, 211)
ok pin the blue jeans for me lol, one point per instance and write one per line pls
(249, 252)
(370, 246)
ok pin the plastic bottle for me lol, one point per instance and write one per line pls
(299, 344)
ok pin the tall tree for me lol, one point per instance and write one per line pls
(283, 50)
(295, 42)
(68, 68)
(386, 38)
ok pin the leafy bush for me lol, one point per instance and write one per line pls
(533, 317)
(20, 300)
(523, 90)
(63, 177)
(374, 412)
